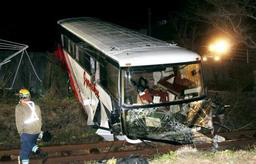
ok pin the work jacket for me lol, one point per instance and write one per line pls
(28, 118)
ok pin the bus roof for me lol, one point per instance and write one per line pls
(127, 47)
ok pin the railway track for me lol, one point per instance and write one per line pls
(119, 149)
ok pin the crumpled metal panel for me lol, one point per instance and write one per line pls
(176, 123)
(200, 114)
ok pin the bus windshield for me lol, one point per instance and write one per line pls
(161, 84)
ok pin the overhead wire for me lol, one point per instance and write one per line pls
(32, 66)
(17, 70)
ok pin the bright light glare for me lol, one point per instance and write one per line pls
(204, 58)
(220, 46)
(211, 47)
(216, 58)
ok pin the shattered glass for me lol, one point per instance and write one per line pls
(159, 103)
(176, 123)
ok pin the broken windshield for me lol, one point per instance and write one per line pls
(162, 84)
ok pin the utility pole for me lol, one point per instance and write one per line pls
(149, 21)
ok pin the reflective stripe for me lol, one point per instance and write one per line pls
(25, 161)
(18, 159)
(35, 148)
(40, 136)
(33, 116)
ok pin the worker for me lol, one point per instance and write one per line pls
(28, 122)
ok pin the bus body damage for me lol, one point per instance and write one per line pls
(133, 85)
(175, 123)
(166, 103)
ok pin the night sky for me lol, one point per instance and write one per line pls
(36, 26)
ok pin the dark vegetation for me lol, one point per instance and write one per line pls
(62, 114)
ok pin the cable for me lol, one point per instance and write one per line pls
(17, 70)
(15, 43)
(13, 55)
(33, 66)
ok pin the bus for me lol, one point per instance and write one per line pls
(134, 85)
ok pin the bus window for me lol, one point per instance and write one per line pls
(97, 72)
(76, 51)
(62, 40)
(93, 65)
(85, 61)
(65, 42)
(69, 46)
(162, 84)
(71, 49)
(109, 78)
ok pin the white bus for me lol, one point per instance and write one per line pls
(132, 84)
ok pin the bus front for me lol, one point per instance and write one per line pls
(165, 102)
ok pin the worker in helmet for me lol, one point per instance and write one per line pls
(28, 122)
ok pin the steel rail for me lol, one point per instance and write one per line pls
(120, 149)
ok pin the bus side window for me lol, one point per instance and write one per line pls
(72, 49)
(65, 42)
(69, 46)
(84, 60)
(76, 51)
(109, 78)
(103, 74)
(97, 73)
(62, 40)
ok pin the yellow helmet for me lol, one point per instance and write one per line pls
(24, 93)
